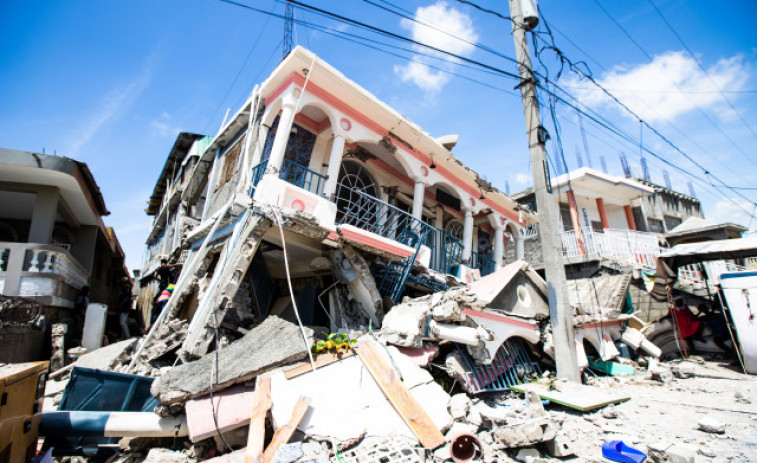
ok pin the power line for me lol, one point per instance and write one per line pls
(499, 71)
(651, 59)
(699, 63)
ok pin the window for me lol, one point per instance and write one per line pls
(447, 199)
(230, 162)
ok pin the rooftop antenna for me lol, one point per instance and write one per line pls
(579, 158)
(603, 161)
(645, 169)
(666, 176)
(583, 137)
(288, 27)
(624, 163)
(691, 190)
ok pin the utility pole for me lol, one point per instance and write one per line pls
(557, 287)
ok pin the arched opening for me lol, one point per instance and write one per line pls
(354, 184)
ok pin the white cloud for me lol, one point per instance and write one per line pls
(164, 127)
(732, 210)
(443, 27)
(114, 103)
(668, 87)
(522, 179)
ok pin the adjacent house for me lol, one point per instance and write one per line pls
(597, 222)
(316, 185)
(52, 237)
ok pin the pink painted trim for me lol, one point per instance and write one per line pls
(375, 127)
(498, 318)
(311, 124)
(373, 242)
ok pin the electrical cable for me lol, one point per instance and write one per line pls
(502, 72)
(291, 291)
(699, 63)
(651, 59)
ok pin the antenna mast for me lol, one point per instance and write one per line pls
(288, 27)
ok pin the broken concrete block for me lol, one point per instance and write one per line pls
(405, 326)
(273, 343)
(458, 429)
(447, 311)
(458, 406)
(681, 453)
(559, 447)
(165, 456)
(684, 370)
(711, 425)
(474, 417)
(662, 375)
(527, 455)
(656, 451)
(494, 415)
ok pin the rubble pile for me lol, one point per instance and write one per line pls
(457, 375)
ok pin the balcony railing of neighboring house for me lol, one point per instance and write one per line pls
(531, 231)
(694, 274)
(25, 262)
(446, 250)
(639, 249)
(300, 176)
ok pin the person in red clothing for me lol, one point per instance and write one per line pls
(685, 321)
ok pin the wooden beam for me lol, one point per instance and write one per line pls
(284, 433)
(321, 360)
(399, 396)
(261, 404)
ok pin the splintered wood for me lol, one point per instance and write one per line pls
(284, 433)
(256, 436)
(403, 402)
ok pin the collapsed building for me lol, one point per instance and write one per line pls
(339, 269)
(316, 182)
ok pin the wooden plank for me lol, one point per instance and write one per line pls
(399, 396)
(573, 395)
(284, 433)
(321, 360)
(261, 404)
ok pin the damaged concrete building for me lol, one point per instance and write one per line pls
(317, 184)
(53, 242)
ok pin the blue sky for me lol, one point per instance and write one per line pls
(112, 83)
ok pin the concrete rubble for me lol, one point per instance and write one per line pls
(431, 342)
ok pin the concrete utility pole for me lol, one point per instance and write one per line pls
(557, 287)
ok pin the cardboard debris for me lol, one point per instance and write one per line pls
(573, 395)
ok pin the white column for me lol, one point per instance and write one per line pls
(499, 247)
(439, 219)
(43, 215)
(282, 136)
(519, 244)
(418, 193)
(257, 151)
(467, 235)
(335, 161)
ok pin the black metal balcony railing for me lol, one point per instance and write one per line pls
(446, 250)
(291, 172)
(300, 176)
(483, 261)
(257, 174)
(379, 217)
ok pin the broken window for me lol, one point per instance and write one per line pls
(230, 162)
(447, 199)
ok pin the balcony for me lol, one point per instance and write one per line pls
(46, 272)
(623, 247)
